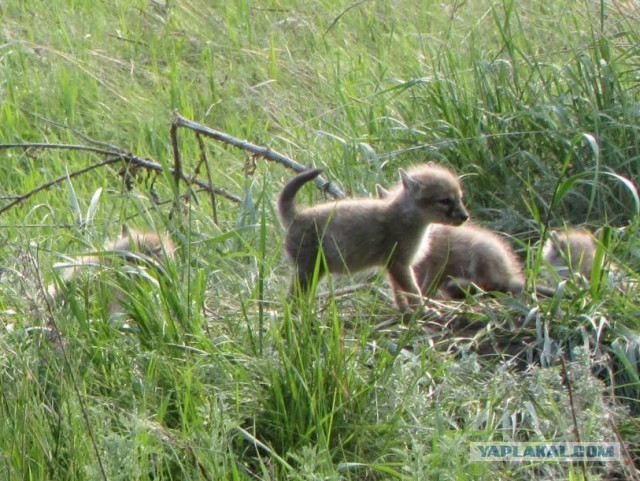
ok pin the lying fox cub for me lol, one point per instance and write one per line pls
(451, 260)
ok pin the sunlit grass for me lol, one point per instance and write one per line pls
(207, 373)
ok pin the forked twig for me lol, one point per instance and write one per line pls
(117, 156)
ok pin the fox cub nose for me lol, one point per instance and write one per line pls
(460, 215)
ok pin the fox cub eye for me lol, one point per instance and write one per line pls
(446, 202)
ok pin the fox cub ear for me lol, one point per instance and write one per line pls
(382, 192)
(407, 182)
(558, 243)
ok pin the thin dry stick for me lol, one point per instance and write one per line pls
(51, 323)
(118, 156)
(204, 160)
(337, 19)
(147, 164)
(264, 152)
(41, 145)
(177, 162)
(624, 451)
(576, 431)
(18, 199)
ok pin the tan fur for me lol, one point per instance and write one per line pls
(451, 259)
(133, 246)
(570, 252)
(358, 234)
(155, 246)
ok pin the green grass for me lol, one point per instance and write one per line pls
(210, 375)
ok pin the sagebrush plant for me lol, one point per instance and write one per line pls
(208, 372)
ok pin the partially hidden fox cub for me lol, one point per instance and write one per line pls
(570, 252)
(357, 234)
(137, 247)
(452, 259)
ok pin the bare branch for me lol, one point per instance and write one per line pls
(576, 431)
(177, 162)
(53, 182)
(62, 346)
(116, 156)
(204, 160)
(264, 152)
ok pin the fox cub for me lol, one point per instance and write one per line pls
(570, 251)
(453, 258)
(357, 234)
(136, 247)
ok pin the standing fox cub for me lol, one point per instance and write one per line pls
(357, 234)
(146, 248)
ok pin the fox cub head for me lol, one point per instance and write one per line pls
(434, 192)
